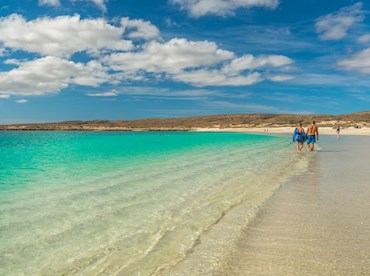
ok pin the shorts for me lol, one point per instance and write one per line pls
(311, 139)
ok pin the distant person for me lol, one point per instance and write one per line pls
(312, 136)
(299, 136)
(338, 131)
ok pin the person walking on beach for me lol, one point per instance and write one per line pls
(312, 136)
(299, 136)
(338, 131)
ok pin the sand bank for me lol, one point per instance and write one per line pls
(318, 223)
(289, 130)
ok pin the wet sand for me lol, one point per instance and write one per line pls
(318, 223)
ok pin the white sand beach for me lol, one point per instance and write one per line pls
(318, 223)
(288, 130)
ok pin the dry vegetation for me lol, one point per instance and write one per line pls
(212, 121)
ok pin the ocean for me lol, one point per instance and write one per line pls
(132, 203)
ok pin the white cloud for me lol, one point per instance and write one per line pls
(61, 36)
(53, 3)
(104, 94)
(138, 28)
(249, 62)
(205, 77)
(4, 96)
(50, 75)
(335, 26)
(21, 101)
(250, 107)
(198, 8)
(280, 78)
(100, 4)
(165, 92)
(171, 57)
(56, 3)
(332, 79)
(200, 63)
(170, 23)
(139, 92)
(359, 62)
(12, 61)
(364, 38)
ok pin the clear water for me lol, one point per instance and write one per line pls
(130, 202)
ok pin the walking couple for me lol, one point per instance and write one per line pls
(300, 136)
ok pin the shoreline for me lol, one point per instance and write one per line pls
(210, 251)
(364, 131)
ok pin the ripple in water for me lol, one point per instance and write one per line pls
(129, 203)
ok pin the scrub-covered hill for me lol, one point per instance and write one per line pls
(211, 121)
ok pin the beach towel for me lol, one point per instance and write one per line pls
(299, 136)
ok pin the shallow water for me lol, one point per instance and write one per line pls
(318, 223)
(131, 203)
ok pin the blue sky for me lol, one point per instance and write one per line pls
(120, 59)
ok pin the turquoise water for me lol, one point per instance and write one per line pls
(128, 202)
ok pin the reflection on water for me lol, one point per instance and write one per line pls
(318, 224)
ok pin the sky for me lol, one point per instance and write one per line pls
(122, 59)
